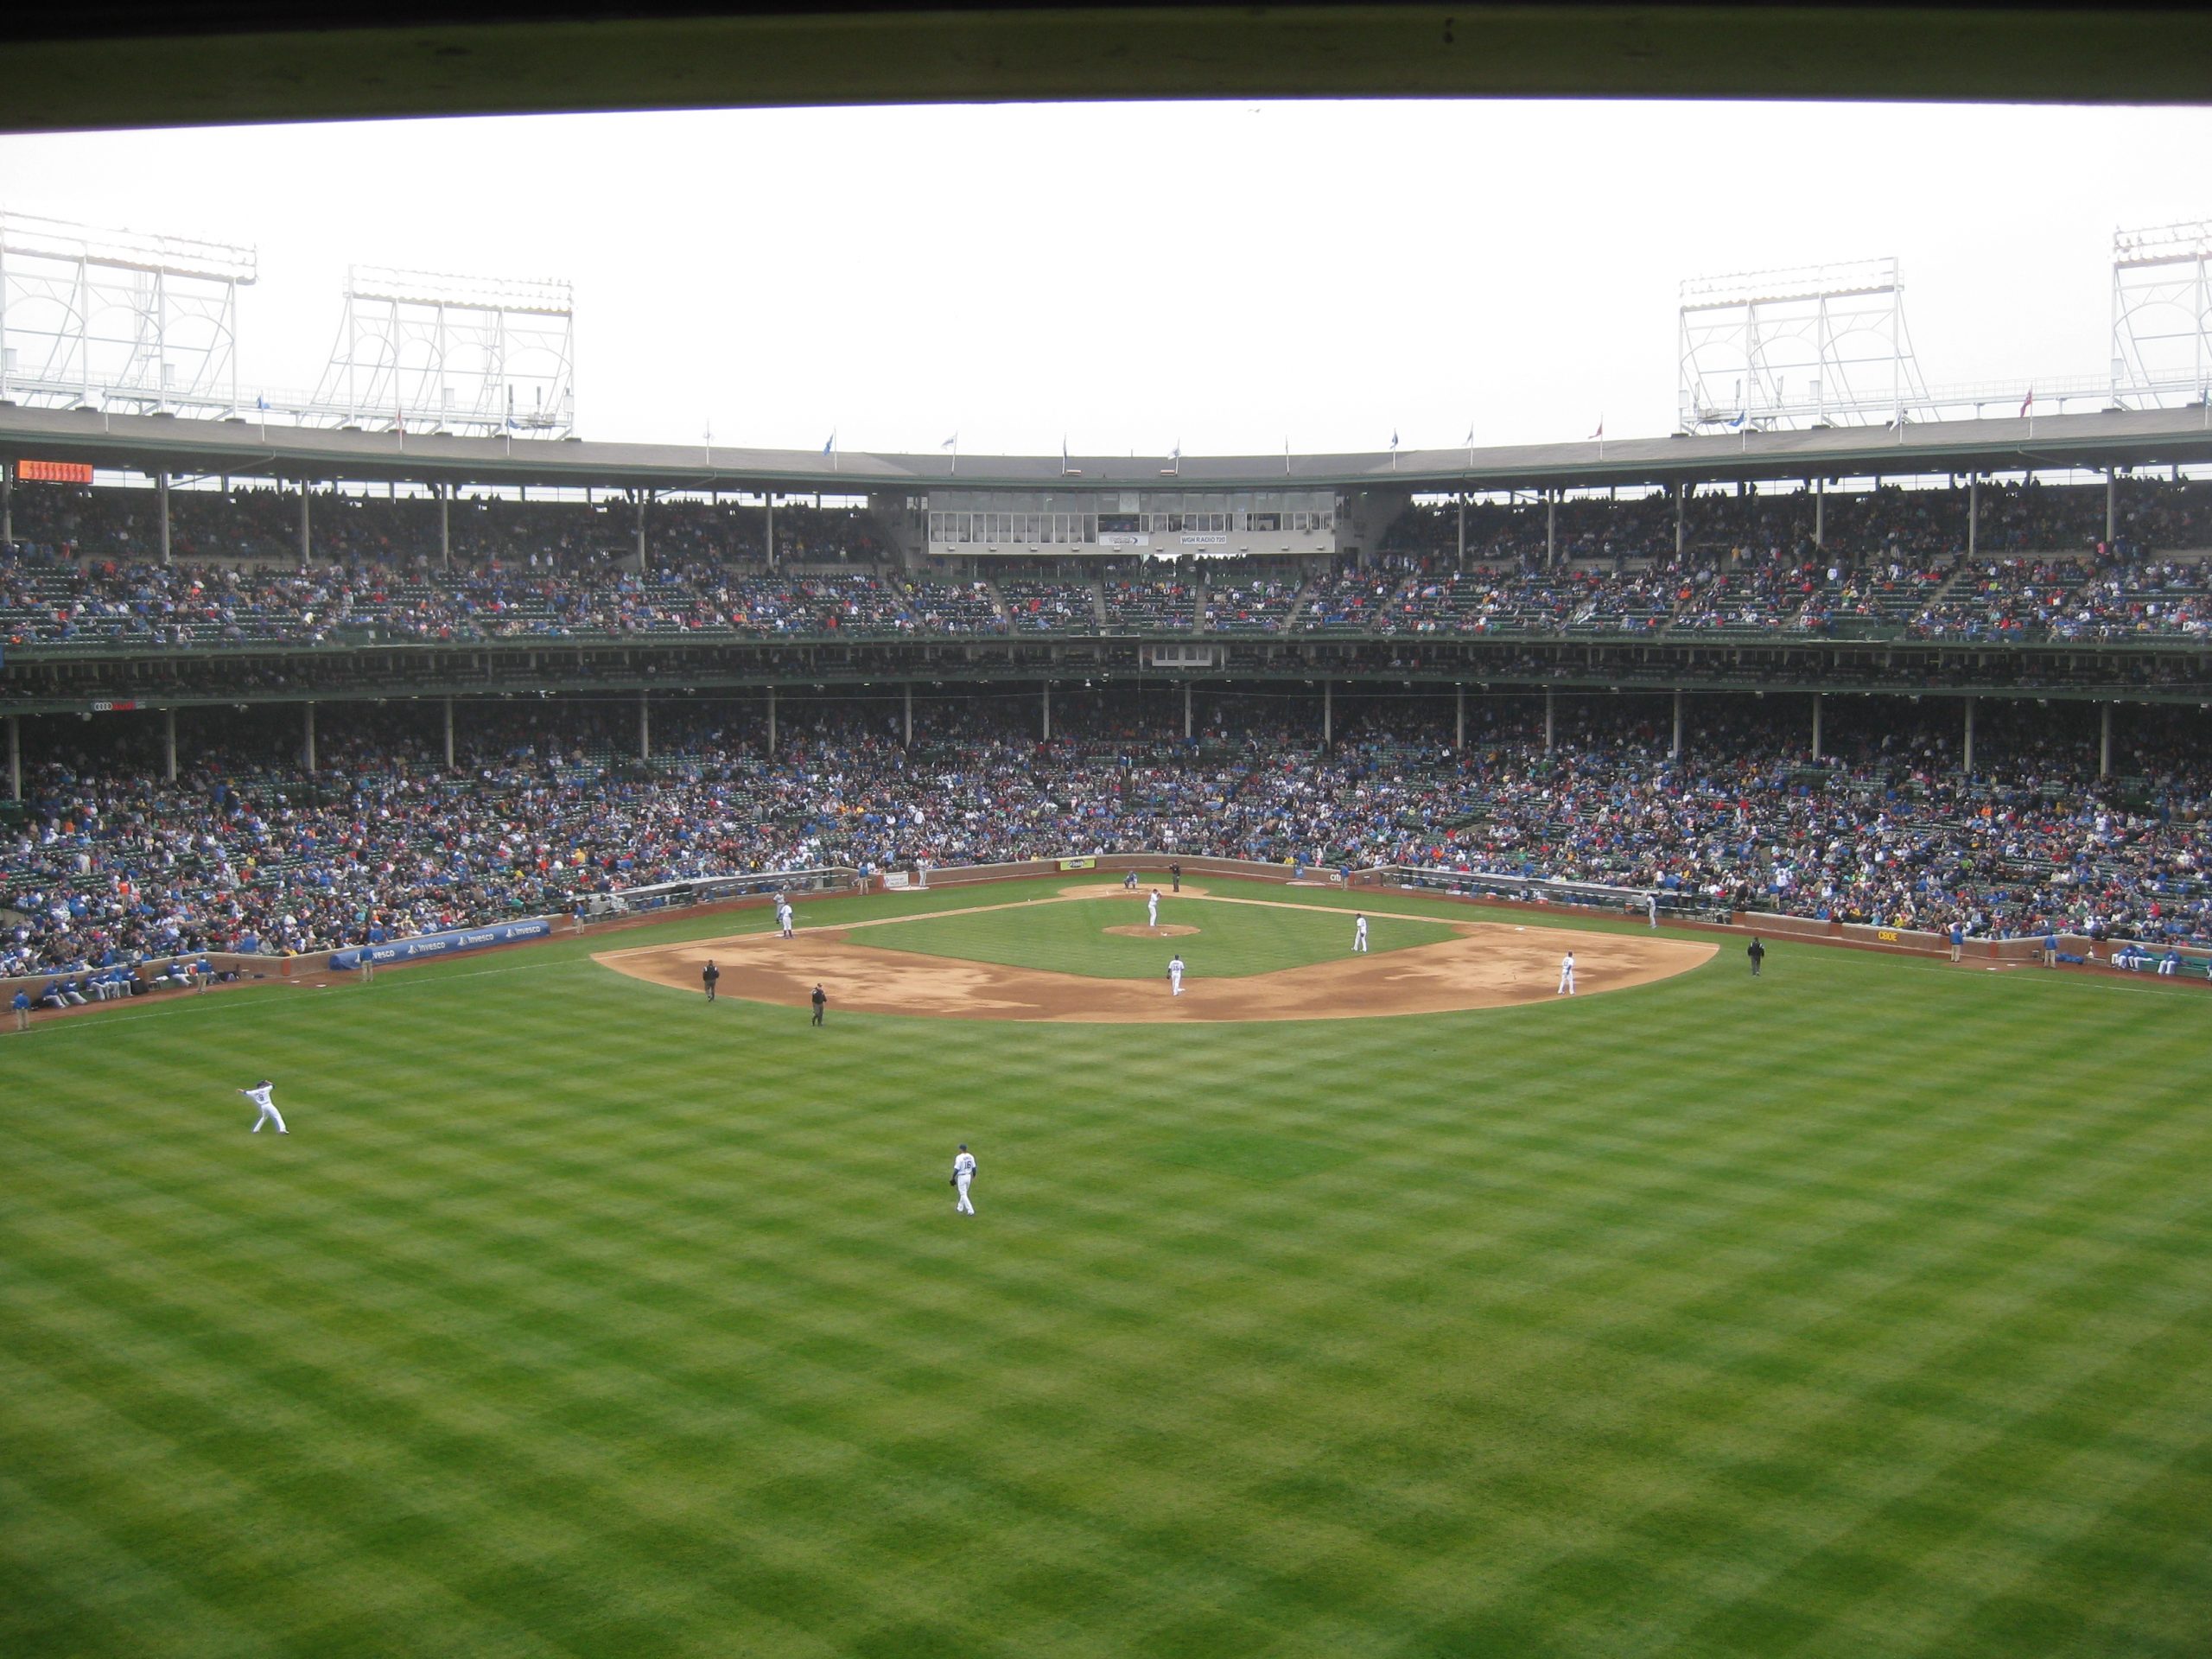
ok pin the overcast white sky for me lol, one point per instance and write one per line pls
(1130, 275)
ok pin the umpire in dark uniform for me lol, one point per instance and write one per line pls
(820, 1000)
(1757, 952)
(708, 976)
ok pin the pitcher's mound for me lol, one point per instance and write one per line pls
(1139, 931)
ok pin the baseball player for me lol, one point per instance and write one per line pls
(708, 976)
(259, 1095)
(820, 1000)
(1175, 976)
(1151, 908)
(963, 1171)
(1129, 879)
(1651, 907)
(1359, 933)
(1566, 976)
(783, 916)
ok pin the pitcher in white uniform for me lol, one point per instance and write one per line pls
(1151, 908)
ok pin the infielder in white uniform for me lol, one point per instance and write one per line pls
(963, 1171)
(1175, 976)
(1359, 933)
(259, 1095)
(784, 919)
(1151, 908)
(1566, 976)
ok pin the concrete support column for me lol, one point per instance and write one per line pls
(1328, 714)
(2112, 504)
(448, 701)
(1816, 725)
(1681, 520)
(15, 757)
(445, 549)
(1973, 511)
(1186, 711)
(1463, 527)
(1551, 717)
(307, 748)
(1047, 726)
(642, 496)
(645, 724)
(1459, 723)
(1675, 750)
(162, 495)
(169, 745)
(306, 541)
(1551, 528)
(909, 714)
(769, 498)
(772, 720)
(2104, 740)
(1819, 512)
(1966, 758)
(7, 502)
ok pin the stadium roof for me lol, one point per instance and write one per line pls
(243, 449)
(127, 63)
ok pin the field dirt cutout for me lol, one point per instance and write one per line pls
(1484, 965)
(1139, 931)
(1100, 890)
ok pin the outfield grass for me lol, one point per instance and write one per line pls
(1233, 940)
(1863, 1309)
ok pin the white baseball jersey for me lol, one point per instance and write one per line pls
(261, 1097)
(964, 1166)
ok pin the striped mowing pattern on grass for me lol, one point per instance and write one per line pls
(1863, 1309)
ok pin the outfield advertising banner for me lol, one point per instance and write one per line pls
(439, 944)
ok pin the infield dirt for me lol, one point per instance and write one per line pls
(1485, 965)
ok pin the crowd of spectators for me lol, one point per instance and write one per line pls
(1892, 561)
(247, 852)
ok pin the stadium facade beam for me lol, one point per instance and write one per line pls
(646, 724)
(1965, 763)
(448, 723)
(307, 739)
(1675, 750)
(15, 757)
(1460, 720)
(1816, 725)
(162, 489)
(168, 743)
(1973, 511)
(104, 65)
(307, 549)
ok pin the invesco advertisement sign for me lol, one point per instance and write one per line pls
(439, 944)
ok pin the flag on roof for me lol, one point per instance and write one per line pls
(2027, 402)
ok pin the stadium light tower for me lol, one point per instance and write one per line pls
(456, 353)
(1810, 346)
(118, 317)
(2162, 315)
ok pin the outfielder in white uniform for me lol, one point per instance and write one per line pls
(1151, 908)
(1175, 976)
(259, 1095)
(1566, 976)
(1359, 933)
(963, 1171)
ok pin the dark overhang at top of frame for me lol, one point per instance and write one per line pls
(129, 63)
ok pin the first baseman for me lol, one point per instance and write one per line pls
(1566, 976)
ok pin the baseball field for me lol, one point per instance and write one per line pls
(1863, 1309)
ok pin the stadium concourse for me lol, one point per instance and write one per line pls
(248, 851)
